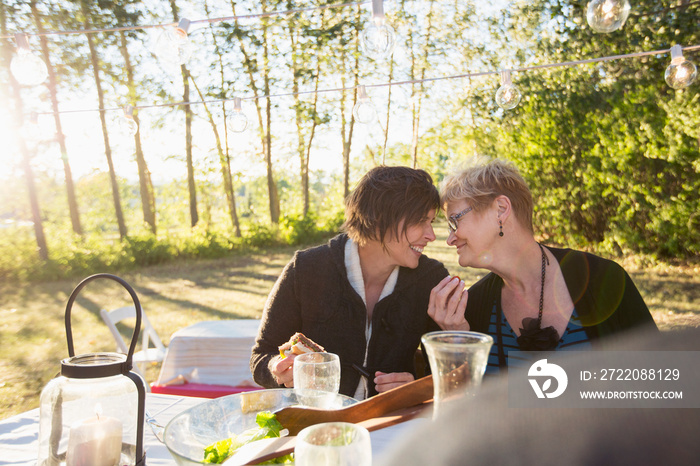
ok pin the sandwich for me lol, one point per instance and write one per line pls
(299, 344)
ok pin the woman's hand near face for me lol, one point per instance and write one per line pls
(448, 301)
(386, 381)
(282, 370)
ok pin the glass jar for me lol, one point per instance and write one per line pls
(93, 413)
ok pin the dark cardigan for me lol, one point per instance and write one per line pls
(605, 298)
(313, 296)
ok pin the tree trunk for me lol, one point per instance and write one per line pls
(26, 164)
(61, 138)
(103, 121)
(264, 124)
(416, 106)
(304, 147)
(225, 166)
(191, 186)
(148, 202)
(224, 155)
(347, 139)
(271, 184)
(388, 110)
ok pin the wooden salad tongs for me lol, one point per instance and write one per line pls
(383, 410)
(295, 418)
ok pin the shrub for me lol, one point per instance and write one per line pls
(261, 235)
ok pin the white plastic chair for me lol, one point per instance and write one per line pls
(148, 335)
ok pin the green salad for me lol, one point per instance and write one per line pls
(268, 427)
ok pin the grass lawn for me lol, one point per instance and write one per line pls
(32, 331)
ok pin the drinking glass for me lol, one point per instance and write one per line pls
(457, 361)
(316, 378)
(333, 444)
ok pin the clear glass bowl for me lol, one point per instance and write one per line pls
(188, 433)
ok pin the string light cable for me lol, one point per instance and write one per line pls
(393, 83)
(198, 21)
(267, 15)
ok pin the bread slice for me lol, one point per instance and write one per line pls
(300, 344)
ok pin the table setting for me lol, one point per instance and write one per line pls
(98, 412)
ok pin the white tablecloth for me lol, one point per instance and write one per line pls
(215, 352)
(19, 435)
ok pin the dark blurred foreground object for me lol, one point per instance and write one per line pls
(485, 431)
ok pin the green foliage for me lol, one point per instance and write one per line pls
(609, 150)
(74, 256)
(261, 235)
(299, 229)
(147, 250)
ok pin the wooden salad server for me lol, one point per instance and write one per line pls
(295, 418)
(267, 449)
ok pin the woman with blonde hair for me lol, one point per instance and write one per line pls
(536, 297)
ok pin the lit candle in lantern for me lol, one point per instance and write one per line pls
(95, 441)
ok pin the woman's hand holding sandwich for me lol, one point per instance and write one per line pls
(282, 370)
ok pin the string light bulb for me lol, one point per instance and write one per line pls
(681, 73)
(127, 124)
(26, 67)
(237, 121)
(364, 111)
(507, 96)
(378, 39)
(607, 15)
(173, 46)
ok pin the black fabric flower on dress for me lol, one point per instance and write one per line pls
(534, 338)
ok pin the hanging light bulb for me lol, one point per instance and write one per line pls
(26, 67)
(507, 96)
(127, 124)
(173, 47)
(237, 121)
(681, 73)
(378, 39)
(364, 111)
(607, 15)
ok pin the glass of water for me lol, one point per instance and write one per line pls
(333, 444)
(316, 378)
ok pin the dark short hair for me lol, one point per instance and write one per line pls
(383, 198)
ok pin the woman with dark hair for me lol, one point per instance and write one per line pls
(364, 295)
(536, 297)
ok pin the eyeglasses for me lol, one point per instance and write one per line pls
(452, 220)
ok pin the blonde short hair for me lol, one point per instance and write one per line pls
(480, 183)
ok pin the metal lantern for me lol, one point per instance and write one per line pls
(93, 413)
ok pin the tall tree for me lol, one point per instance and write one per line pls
(94, 60)
(18, 118)
(271, 184)
(307, 44)
(191, 185)
(60, 137)
(347, 119)
(224, 164)
(250, 63)
(148, 201)
(225, 151)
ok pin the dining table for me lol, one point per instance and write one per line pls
(209, 359)
(19, 434)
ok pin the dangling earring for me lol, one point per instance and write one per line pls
(500, 228)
